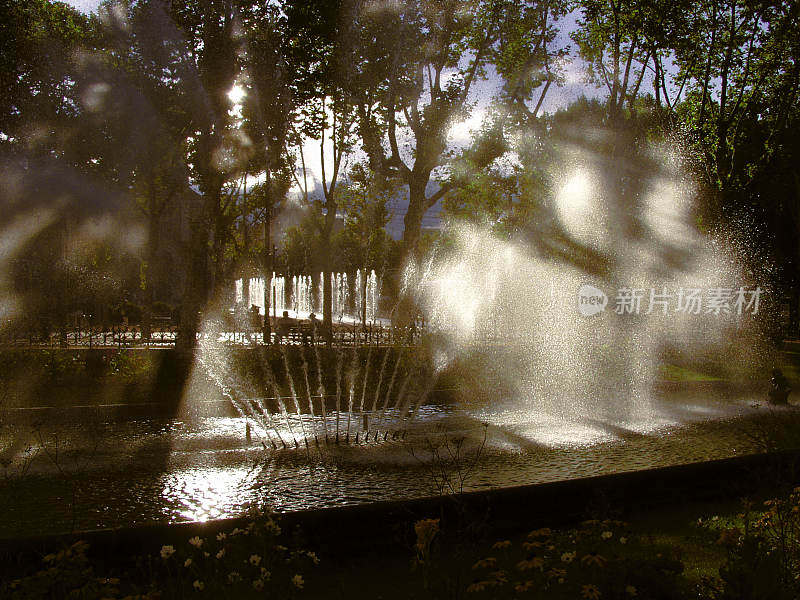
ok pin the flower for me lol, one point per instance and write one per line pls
(198, 585)
(630, 590)
(523, 587)
(590, 592)
(234, 576)
(188, 562)
(297, 581)
(594, 559)
(485, 563)
(478, 586)
(313, 557)
(623, 540)
(196, 541)
(221, 553)
(543, 532)
(501, 545)
(166, 552)
(258, 585)
(499, 576)
(254, 559)
(265, 575)
(534, 563)
(554, 572)
(221, 536)
(568, 557)
(606, 535)
(272, 527)
(531, 545)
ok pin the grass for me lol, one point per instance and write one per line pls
(674, 373)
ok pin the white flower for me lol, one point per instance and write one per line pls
(568, 557)
(255, 559)
(167, 551)
(297, 580)
(188, 562)
(606, 535)
(221, 536)
(199, 585)
(196, 541)
(221, 553)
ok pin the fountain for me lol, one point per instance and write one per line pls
(506, 324)
(305, 295)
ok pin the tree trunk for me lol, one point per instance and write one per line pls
(153, 242)
(268, 266)
(412, 223)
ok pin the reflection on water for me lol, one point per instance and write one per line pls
(201, 468)
(206, 494)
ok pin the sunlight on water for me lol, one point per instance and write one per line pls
(205, 494)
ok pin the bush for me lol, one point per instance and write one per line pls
(763, 553)
(245, 562)
(601, 559)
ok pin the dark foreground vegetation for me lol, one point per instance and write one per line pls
(717, 549)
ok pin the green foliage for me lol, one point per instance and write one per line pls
(66, 574)
(248, 562)
(763, 552)
(601, 559)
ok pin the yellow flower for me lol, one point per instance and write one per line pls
(594, 559)
(234, 576)
(254, 559)
(501, 545)
(313, 557)
(478, 586)
(485, 563)
(534, 563)
(554, 573)
(543, 532)
(198, 585)
(196, 541)
(187, 562)
(523, 587)
(297, 581)
(568, 557)
(221, 536)
(221, 553)
(630, 590)
(590, 592)
(499, 576)
(166, 552)
(623, 540)
(265, 575)
(606, 535)
(531, 545)
(258, 585)
(426, 530)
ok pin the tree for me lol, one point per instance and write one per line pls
(418, 62)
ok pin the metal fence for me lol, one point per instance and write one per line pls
(164, 336)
